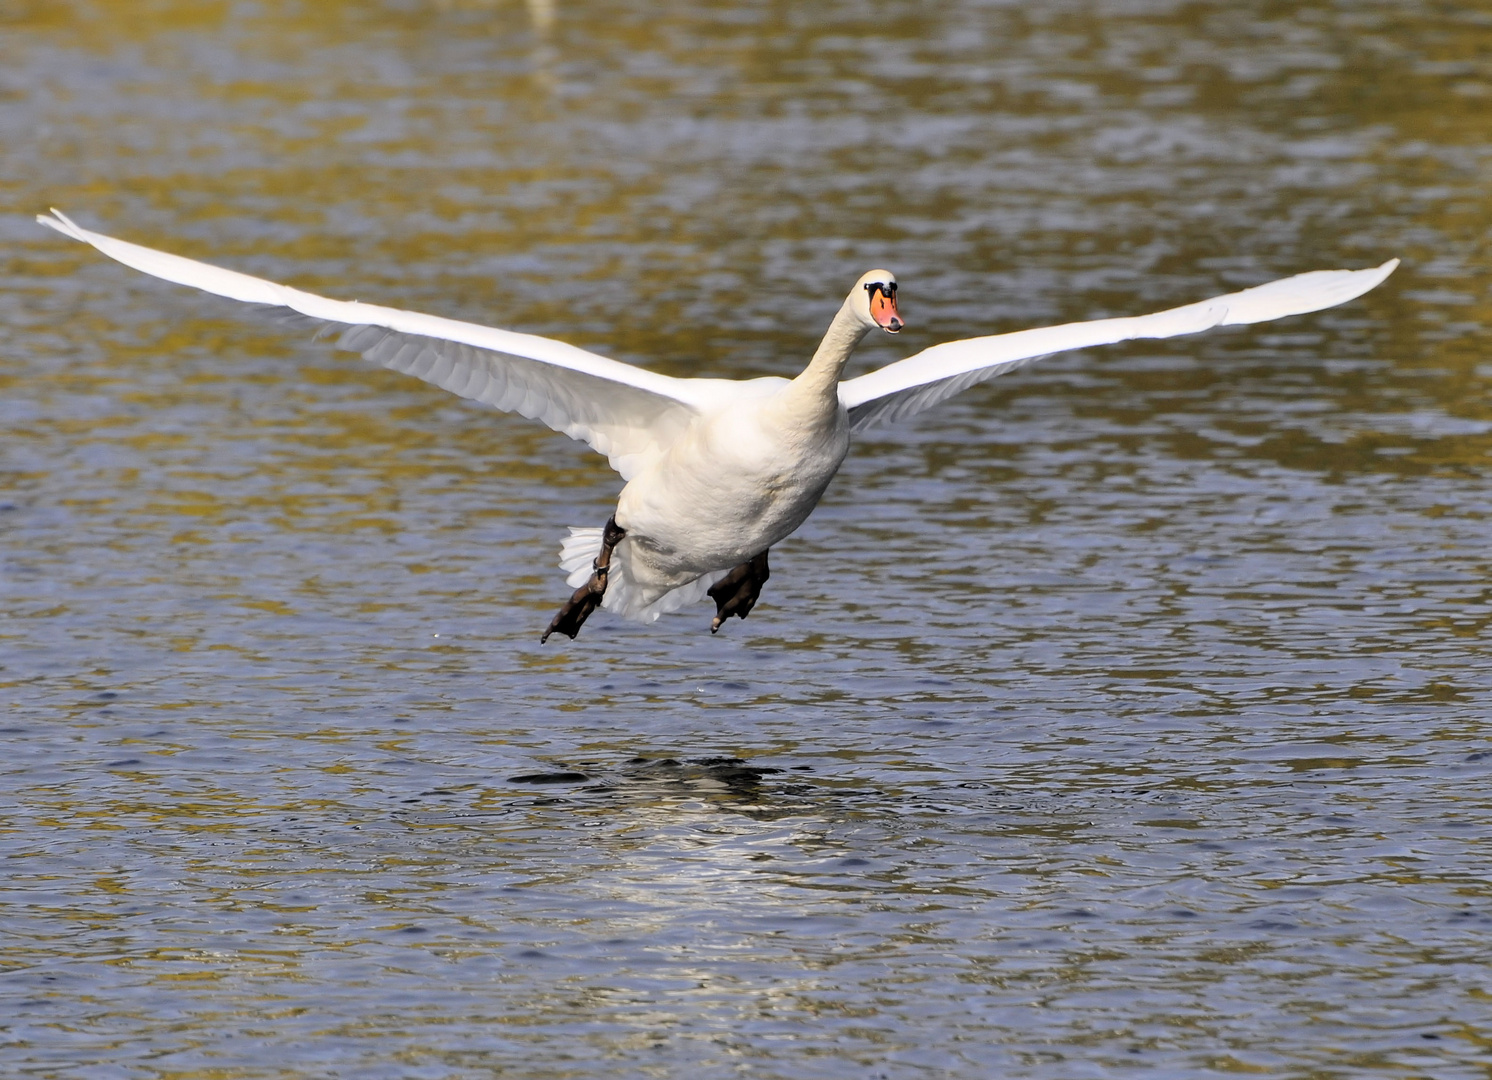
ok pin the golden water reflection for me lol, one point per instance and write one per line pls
(1125, 711)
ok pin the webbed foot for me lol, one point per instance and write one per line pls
(737, 592)
(587, 598)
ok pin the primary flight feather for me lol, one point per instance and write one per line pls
(717, 471)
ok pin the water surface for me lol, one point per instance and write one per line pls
(1127, 715)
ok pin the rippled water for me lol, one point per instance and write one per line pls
(1126, 716)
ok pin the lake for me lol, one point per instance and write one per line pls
(1128, 715)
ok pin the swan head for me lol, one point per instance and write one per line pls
(874, 300)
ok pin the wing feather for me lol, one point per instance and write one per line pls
(919, 382)
(624, 412)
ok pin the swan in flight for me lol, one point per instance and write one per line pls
(716, 471)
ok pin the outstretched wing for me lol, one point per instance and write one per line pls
(624, 412)
(919, 382)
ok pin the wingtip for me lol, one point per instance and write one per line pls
(60, 222)
(1376, 276)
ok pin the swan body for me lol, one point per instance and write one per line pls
(717, 471)
(733, 484)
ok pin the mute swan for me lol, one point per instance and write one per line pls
(717, 471)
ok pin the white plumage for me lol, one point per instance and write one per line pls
(716, 471)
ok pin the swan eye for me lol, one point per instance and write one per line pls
(887, 287)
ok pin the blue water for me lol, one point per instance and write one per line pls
(1125, 716)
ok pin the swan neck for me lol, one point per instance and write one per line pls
(821, 376)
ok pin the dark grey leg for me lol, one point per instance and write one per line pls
(737, 592)
(587, 598)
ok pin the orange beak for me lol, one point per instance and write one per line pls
(883, 311)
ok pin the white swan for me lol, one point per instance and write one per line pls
(717, 471)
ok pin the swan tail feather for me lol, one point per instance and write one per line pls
(577, 552)
(623, 597)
